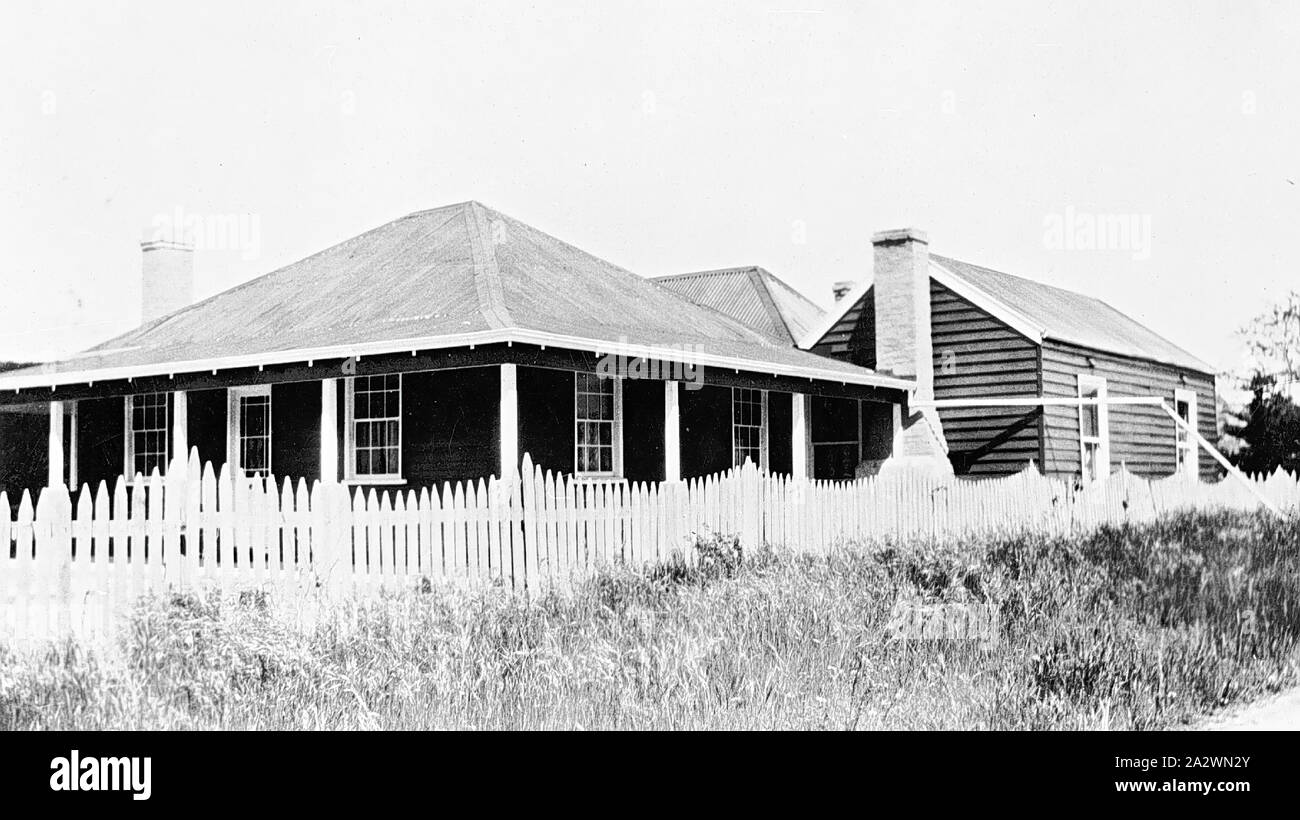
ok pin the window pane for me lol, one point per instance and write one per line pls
(256, 459)
(1090, 424)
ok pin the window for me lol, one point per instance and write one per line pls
(598, 435)
(749, 426)
(836, 425)
(248, 431)
(147, 436)
(374, 428)
(1094, 436)
(1185, 445)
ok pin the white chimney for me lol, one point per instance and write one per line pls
(904, 347)
(167, 269)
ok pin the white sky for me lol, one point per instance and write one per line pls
(664, 137)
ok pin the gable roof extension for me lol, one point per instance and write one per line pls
(1038, 311)
(447, 277)
(753, 296)
(1070, 317)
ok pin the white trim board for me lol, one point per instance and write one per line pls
(996, 308)
(1188, 396)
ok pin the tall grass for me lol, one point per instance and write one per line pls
(1144, 628)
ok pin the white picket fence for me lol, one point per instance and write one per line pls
(72, 569)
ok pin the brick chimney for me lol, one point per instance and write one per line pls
(902, 293)
(167, 269)
(904, 347)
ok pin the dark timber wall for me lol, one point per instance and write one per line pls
(101, 440)
(295, 431)
(835, 437)
(977, 355)
(780, 421)
(643, 429)
(1141, 437)
(207, 427)
(24, 450)
(451, 423)
(705, 430)
(546, 417)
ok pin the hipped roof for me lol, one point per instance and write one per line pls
(444, 277)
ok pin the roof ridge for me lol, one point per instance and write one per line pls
(714, 272)
(487, 274)
(611, 267)
(765, 296)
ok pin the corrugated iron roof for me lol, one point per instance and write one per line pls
(1072, 317)
(449, 272)
(751, 295)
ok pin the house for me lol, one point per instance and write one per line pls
(441, 346)
(972, 336)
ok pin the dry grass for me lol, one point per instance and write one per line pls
(1128, 628)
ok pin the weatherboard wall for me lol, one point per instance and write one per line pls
(976, 356)
(1141, 436)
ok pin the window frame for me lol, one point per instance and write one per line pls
(129, 453)
(616, 432)
(350, 475)
(1087, 381)
(762, 426)
(1192, 465)
(234, 429)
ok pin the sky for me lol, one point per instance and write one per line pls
(1143, 153)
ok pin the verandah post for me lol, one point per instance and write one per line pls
(55, 475)
(180, 428)
(672, 432)
(509, 444)
(799, 438)
(329, 432)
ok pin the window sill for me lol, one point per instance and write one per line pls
(390, 481)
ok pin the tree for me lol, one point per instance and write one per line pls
(1269, 426)
(1271, 434)
(1273, 339)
